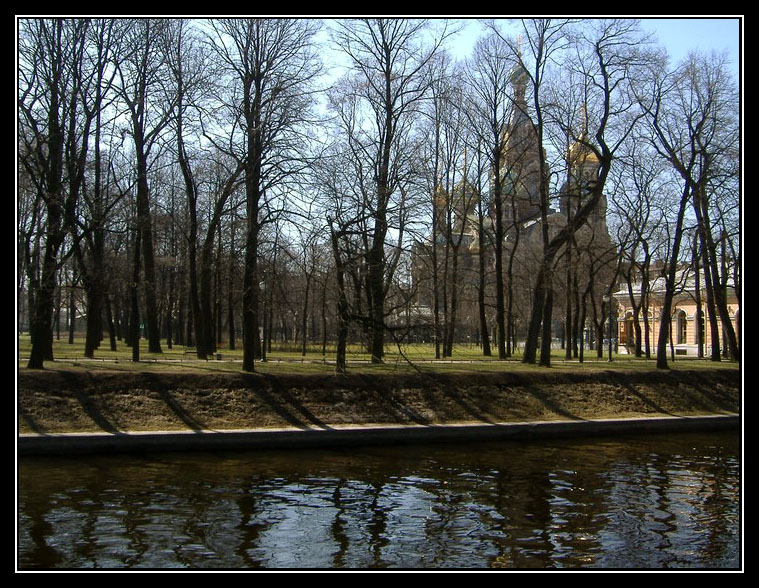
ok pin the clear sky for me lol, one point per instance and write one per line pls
(679, 35)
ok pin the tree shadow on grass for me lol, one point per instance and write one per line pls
(545, 399)
(85, 400)
(29, 420)
(714, 398)
(392, 401)
(181, 413)
(637, 394)
(456, 396)
(284, 404)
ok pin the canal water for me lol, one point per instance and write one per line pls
(643, 502)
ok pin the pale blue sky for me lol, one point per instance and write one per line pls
(679, 35)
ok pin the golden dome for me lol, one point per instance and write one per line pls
(581, 153)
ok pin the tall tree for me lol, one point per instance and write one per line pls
(718, 141)
(88, 227)
(149, 105)
(608, 52)
(452, 198)
(334, 182)
(691, 112)
(490, 75)
(390, 80)
(439, 100)
(544, 37)
(191, 75)
(271, 64)
(483, 243)
(639, 187)
(50, 58)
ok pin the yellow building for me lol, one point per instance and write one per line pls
(686, 331)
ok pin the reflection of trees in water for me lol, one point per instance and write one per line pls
(35, 531)
(721, 524)
(359, 525)
(337, 529)
(666, 517)
(644, 503)
(249, 525)
(549, 517)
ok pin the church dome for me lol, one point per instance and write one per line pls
(580, 153)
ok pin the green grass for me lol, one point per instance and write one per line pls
(289, 359)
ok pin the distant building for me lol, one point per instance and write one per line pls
(457, 234)
(689, 325)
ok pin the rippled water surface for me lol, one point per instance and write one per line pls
(637, 502)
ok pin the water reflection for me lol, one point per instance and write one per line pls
(631, 503)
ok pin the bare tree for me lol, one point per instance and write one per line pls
(306, 253)
(88, 226)
(687, 111)
(607, 54)
(718, 140)
(49, 83)
(271, 65)
(453, 202)
(335, 187)
(640, 184)
(429, 251)
(337, 233)
(149, 102)
(490, 75)
(390, 81)
(483, 244)
(191, 74)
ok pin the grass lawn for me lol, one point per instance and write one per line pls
(289, 359)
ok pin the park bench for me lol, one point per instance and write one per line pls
(193, 351)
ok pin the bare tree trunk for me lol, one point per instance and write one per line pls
(484, 335)
(40, 319)
(500, 312)
(230, 297)
(671, 275)
(111, 325)
(545, 343)
(343, 316)
(134, 318)
(698, 332)
(72, 313)
(145, 221)
(304, 318)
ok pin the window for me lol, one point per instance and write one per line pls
(682, 328)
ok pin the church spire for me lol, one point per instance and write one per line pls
(584, 120)
(519, 76)
(580, 154)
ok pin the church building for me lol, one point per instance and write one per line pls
(458, 226)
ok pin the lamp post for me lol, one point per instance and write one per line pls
(265, 329)
(607, 300)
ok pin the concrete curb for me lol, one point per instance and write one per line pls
(154, 441)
